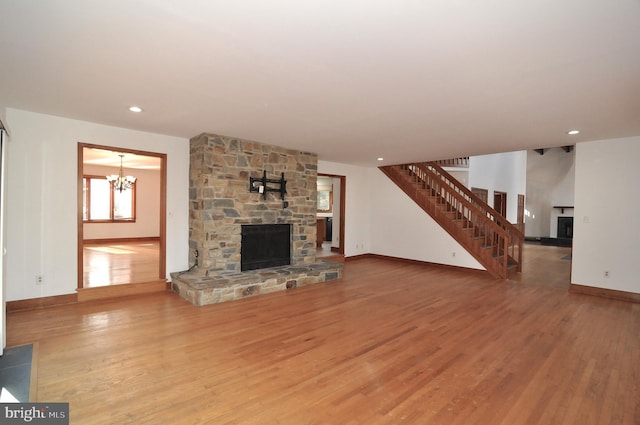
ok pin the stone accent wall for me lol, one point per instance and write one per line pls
(220, 201)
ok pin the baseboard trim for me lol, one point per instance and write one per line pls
(121, 240)
(357, 257)
(424, 263)
(604, 293)
(33, 303)
(123, 290)
(90, 294)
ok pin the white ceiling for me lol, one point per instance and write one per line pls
(351, 80)
(107, 158)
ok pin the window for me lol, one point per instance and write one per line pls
(325, 201)
(102, 204)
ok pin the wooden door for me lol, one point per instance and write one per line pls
(520, 224)
(483, 194)
(500, 202)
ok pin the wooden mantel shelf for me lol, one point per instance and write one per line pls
(563, 207)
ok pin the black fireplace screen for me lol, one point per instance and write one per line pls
(565, 227)
(265, 245)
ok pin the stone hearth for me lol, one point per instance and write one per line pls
(220, 203)
(228, 287)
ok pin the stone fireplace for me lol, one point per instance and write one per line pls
(220, 204)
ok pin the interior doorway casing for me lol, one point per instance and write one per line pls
(500, 202)
(343, 185)
(163, 205)
(520, 217)
(3, 313)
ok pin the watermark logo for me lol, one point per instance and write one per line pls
(34, 413)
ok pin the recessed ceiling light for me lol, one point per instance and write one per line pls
(381, 159)
(135, 109)
(572, 132)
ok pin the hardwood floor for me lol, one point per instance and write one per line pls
(389, 343)
(325, 253)
(324, 250)
(120, 263)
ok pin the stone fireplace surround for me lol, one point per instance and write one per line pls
(220, 203)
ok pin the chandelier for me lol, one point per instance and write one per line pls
(120, 181)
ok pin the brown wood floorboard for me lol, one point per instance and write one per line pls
(120, 263)
(391, 342)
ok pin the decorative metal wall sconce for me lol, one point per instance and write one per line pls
(260, 185)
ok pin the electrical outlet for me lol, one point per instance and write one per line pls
(453, 254)
(39, 280)
(606, 273)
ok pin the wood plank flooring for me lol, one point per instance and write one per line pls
(120, 263)
(389, 343)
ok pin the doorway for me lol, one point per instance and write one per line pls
(113, 250)
(483, 194)
(332, 221)
(520, 216)
(500, 202)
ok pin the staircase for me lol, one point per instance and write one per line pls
(481, 230)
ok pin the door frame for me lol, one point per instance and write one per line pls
(500, 202)
(520, 214)
(343, 186)
(163, 205)
(3, 289)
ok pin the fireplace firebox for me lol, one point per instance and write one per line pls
(265, 245)
(565, 227)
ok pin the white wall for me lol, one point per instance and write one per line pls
(550, 181)
(147, 222)
(606, 229)
(42, 198)
(502, 172)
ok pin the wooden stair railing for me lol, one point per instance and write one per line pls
(516, 234)
(482, 231)
(460, 162)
